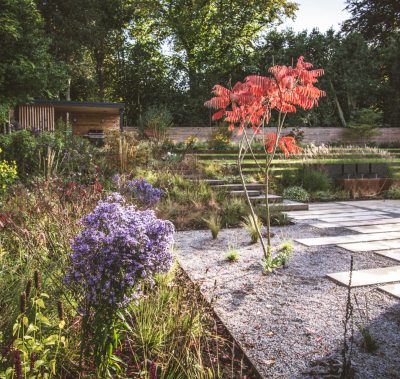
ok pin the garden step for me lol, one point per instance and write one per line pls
(261, 199)
(239, 186)
(214, 182)
(251, 193)
(287, 206)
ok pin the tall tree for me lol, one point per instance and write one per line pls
(86, 30)
(375, 19)
(27, 70)
(379, 22)
(212, 35)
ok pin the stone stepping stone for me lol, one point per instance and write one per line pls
(372, 221)
(361, 217)
(391, 289)
(341, 215)
(348, 239)
(367, 277)
(371, 246)
(376, 228)
(391, 253)
(324, 212)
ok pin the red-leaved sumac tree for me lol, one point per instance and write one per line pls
(251, 105)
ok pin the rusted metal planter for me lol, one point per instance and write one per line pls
(364, 187)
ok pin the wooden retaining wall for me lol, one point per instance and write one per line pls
(317, 136)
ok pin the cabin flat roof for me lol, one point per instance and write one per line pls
(80, 106)
(65, 103)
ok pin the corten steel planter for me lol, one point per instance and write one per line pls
(365, 187)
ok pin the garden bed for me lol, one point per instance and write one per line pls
(290, 323)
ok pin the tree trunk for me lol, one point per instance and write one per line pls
(338, 106)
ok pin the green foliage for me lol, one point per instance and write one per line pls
(212, 170)
(38, 341)
(252, 227)
(48, 153)
(168, 326)
(364, 125)
(156, 120)
(296, 194)
(233, 210)
(314, 180)
(220, 138)
(370, 344)
(27, 69)
(322, 196)
(280, 259)
(393, 192)
(8, 174)
(232, 255)
(213, 222)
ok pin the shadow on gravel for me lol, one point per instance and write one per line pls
(373, 350)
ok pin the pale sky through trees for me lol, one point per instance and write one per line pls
(321, 14)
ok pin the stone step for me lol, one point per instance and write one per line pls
(261, 199)
(391, 289)
(251, 193)
(390, 253)
(214, 182)
(287, 206)
(367, 277)
(239, 186)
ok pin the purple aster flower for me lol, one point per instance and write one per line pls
(118, 247)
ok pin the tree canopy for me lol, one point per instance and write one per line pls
(171, 52)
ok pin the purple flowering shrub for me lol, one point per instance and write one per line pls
(140, 189)
(118, 247)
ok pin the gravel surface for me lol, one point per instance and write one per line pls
(290, 323)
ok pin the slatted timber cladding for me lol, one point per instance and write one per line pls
(36, 117)
(82, 122)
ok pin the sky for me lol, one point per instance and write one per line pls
(321, 14)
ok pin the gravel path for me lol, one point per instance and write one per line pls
(290, 323)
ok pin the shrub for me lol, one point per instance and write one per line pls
(214, 224)
(233, 211)
(20, 147)
(155, 121)
(314, 180)
(393, 192)
(322, 195)
(252, 226)
(290, 178)
(212, 170)
(296, 194)
(8, 174)
(220, 138)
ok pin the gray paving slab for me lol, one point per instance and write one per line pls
(391, 289)
(325, 212)
(342, 215)
(391, 253)
(376, 228)
(367, 216)
(357, 247)
(367, 277)
(347, 239)
(372, 221)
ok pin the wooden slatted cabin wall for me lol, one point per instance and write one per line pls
(83, 122)
(36, 117)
